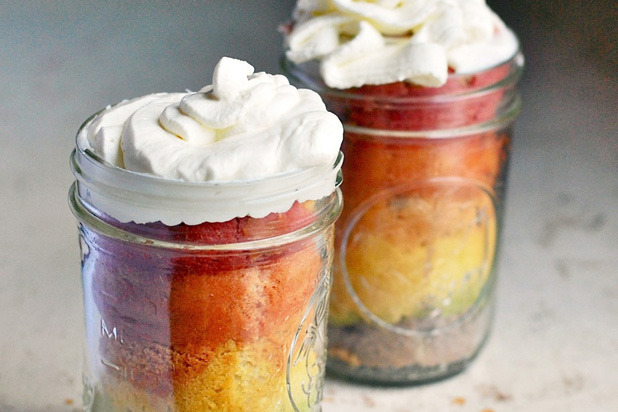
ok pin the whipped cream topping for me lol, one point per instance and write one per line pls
(361, 42)
(253, 131)
(244, 126)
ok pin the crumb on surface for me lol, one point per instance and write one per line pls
(493, 392)
(369, 401)
(460, 400)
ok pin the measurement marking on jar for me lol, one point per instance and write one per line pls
(111, 365)
(122, 371)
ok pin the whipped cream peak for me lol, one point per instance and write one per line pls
(420, 40)
(230, 77)
(245, 127)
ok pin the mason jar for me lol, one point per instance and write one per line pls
(191, 309)
(418, 239)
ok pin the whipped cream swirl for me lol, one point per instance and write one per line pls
(362, 42)
(245, 126)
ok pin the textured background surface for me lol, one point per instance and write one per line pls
(555, 342)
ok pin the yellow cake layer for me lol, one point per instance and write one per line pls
(414, 255)
(234, 379)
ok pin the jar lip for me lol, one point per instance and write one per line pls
(326, 217)
(142, 198)
(308, 75)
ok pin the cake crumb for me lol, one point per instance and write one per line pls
(459, 401)
(368, 401)
(69, 401)
(492, 391)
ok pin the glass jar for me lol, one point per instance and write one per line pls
(417, 242)
(228, 315)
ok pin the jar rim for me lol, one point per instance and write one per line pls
(127, 195)
(308, 75)
(326, 217)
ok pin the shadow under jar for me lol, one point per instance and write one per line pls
(416, 245)
(216, 316)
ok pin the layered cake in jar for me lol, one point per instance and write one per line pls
(206, 232)
(427, 94)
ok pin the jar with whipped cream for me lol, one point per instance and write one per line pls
(427, 94)
(206, 227)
